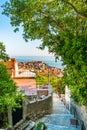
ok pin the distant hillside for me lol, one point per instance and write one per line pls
(39, 67)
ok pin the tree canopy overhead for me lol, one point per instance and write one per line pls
(62, 27)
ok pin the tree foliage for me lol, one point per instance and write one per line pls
(3, 55)
(41, 80)
(44, 80)
(62, 27)
(9, 97)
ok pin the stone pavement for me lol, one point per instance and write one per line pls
(58, 106)
(60, 119)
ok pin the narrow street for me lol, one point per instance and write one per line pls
(60, 119)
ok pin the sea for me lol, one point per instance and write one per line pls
(49, 60)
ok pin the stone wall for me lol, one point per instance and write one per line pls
(32, 111)
(81, 113)
(38, 109)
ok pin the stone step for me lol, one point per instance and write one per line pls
(26, 124)
(61, 120)
(60, 115)
(58, 127)
(30, 126)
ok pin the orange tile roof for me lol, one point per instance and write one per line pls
(10, 64)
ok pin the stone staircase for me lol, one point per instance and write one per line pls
(60, 119)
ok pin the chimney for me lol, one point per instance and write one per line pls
(13, 60)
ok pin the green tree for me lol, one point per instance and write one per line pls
(3, 55)
(41, 80)
(9, 97)
(44, 80)
(8, 94)
(62, 27)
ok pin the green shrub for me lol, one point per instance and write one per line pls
(40, 126)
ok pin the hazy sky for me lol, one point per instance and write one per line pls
(15, 44)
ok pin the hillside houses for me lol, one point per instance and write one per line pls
(39, 66)
(24, 75)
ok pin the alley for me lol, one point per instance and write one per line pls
(60, 119)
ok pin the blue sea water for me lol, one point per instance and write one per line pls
(50, 60)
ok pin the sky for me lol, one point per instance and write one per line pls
(14, 43)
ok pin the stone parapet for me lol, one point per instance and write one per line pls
(80, 112)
